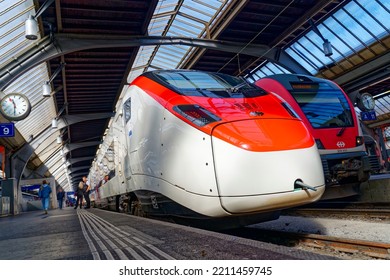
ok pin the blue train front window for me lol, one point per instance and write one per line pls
(324, 106)
(214, 85)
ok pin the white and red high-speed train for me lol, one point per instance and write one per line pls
(199, 145)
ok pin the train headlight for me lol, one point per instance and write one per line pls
(196, 114)
(359, 141)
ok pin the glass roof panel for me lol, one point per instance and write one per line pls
(350, 29)
(352, 23)
(176, 18)
(48, 147)
(343, 40)
(378, 15)
(186, 21)
(184, 30)
(165, 6)
(12, 17)
(276, 69)
(300, 54)
(382, 103)
(13, 14)
(267, 69)
(57, 157)
(196, 10)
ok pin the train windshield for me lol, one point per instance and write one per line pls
(214, 85)
(323, 105)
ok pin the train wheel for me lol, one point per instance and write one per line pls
(135, 207)
(117, 202)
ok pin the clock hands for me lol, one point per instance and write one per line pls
(13, 102)
(15, 106)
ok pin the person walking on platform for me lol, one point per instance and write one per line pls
(87, 191)
(44, 193)
(79, 192)
(60, 197)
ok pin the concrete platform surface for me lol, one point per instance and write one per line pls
(95, 234)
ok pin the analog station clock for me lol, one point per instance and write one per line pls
(15, 106)
(366, 102)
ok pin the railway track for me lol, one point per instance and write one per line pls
(323, 243)
(362, 213)
(370, 249)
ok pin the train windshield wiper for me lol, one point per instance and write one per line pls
(237, 87)
(341, 131)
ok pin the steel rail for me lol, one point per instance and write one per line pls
(372, 249)
(321, 212)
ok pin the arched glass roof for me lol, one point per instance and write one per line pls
(356, 32)
(354, 27)
(195, 19)
(13, 15)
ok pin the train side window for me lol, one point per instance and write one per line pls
(127, 109)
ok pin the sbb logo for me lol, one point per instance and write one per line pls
(340, 144)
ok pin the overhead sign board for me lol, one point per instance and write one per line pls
(368, 116)
(7, 130)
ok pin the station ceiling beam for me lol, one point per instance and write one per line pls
(49, 48)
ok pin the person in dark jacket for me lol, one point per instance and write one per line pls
(79, 193)
(87, 191)
(44, 193)
(60, 197)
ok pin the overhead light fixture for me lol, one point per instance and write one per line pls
(327, 46)
(59, 140)
(46, 87)
(54, 123)
(31, 28)
(31, 24)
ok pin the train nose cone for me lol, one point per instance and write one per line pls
(261, 160)
(265, 134)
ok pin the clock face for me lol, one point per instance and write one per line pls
(367, 101)
(15, 106)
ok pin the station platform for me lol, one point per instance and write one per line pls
(93, 234)
(376, 190)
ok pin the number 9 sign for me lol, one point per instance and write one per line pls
(7, 130)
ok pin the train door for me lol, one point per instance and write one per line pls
(142, 117)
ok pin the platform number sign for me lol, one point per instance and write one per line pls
(368, 116)
(7, 130)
